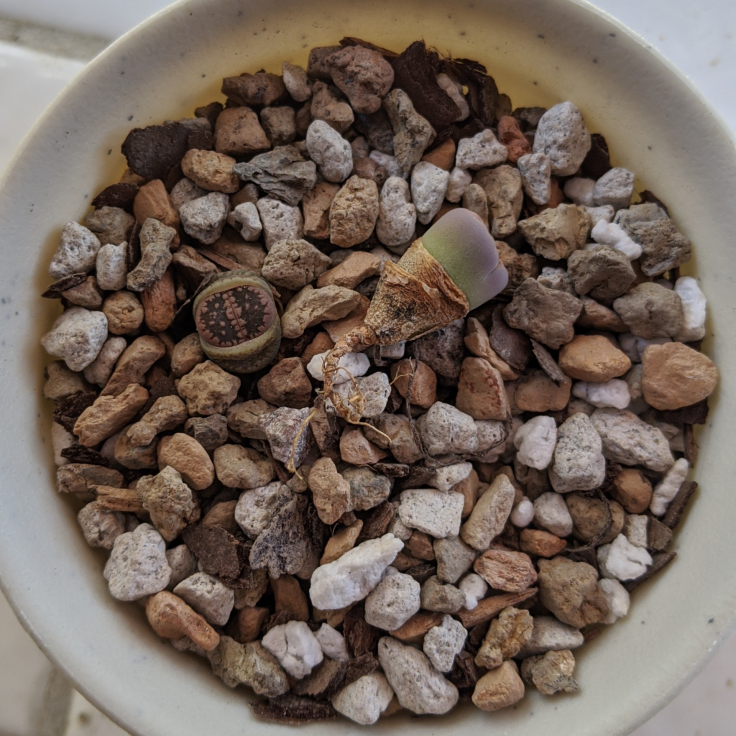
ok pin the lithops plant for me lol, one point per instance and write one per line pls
(453, 268)
(237, 321)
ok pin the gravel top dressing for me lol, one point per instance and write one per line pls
(379, 392)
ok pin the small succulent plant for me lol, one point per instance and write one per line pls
(238, 325)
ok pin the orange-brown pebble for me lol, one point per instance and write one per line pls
(632, 489)
(443, 155)
(413, 631)
(537, 392)
(321, 344)
(153, 201)
(480, 391)
(423, 385)
(499, 688)
(357, 450)
(593, 358)
(540, 543)
(171, 618)
(511, 136)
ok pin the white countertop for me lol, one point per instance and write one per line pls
(698, 36)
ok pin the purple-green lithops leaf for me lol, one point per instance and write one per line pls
(467, 251)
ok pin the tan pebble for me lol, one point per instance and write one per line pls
(248, 623)
(354, 212)
(490, 514)
(506, 570)
(505, 637)
(286, 384)
(167, 413)
(170, 502)
(540, 543)
(537, 392)
(222, 515)
(330, 491)
(599, 317)
(311, 306)
(355, 318)
(316, 206)
(152, 200)
(355, 268)
(478, 342)
(340, 543)
(211, 170)
(207, 389)
(134, 363)
(357, 450)
(238, 133)
(674, 375)
(124, 312)
(551, 673)
(499, 688)
(109, 414)
(290, 598)
(61, 382)
(593, 358)
(420, 545)
(243, 418)
(519, 266)
(321, 344)
(188, 457)
(413, 631)
(171, 618)
(186, 354)
(632, 489)
(443, 155)
(242, 467)
(159, 303)
(422, 378)
(469, 489)
(87, 294)
(480, 391)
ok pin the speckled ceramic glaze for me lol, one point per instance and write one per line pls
(540, 52)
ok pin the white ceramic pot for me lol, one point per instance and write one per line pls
(540, 52)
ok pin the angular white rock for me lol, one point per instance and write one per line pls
(397, 216)
(77, 337)
(535, 441)
(205, 217)
(246, 220)
(332, 643)
(579, 464)
(393, 601)
(483, 149)
(445, 429)
(137, 566)
(182, 562)
(621, 560)
(609, 233)
(351, 577)
(668, 487)
(614, 188)
(281, 221)
(550, 635)
(459, 181)
(375, 390)
(418, 686)
(351, 364)
(442, 643)
(389, 163)
(330, 151)
(600, 214)
(523, 513)
(562, 135)
(76, 252)
(60, 440)
(364, 700)
(474, 588)
(207, 596)
(448, 476)
(433, 512)
(100, 527)
(614, 392)
(428, 186)
(693, 309)
(617, 598)
(580, 191)
(255, 508)
(636, 529)
(536, 177)
(551, 514)
(112, 267)
(295, 646)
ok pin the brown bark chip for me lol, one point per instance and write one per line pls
(512, 345)
(413, 631)
(488, 608)
(376, 521)
(659, 562)
(360, 637)
(218, 552)
(69, 409)
(117, 195)
(677, 507)
(293, 710)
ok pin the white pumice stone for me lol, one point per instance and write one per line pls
(393, 601)
(100, 527)
(246, 220)
(634, 346)
(433, 512)
(428, 187)
(330, 151)
(474, 588)
(389, 163)
(578, 464)
(445, 429)
(375, 390)
(550, 635)
(137, 566)
(454, 558)
(580, 191)
(279, 220)
(613, 392)
(617, 598)
(562, 135)
(523, 513)
(445, 478)
(60, 440)
(397, 527)
(600, 214)
(101, 368)
(693, 309)
(76, 252)
(490, 514)
(455, 91)
(459, 181)
(535, 441)
(536, 177)
(77, 337)
(417, 684)
(332, 643)
(622, 560)
(208, 597)
(295, 646)
(364, 700)
(551, 514)
(483, 149)
(351, 365)
(442, 643)
(636, 527)
(613, 235)
(256, 507)
(353, 575)
(112, 267)
(204, 218)
(182, 562)
(614, 188)
(397, 216)
(668, 487)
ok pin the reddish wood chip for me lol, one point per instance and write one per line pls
(293, 710)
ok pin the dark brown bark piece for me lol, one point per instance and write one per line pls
(419, 476)
(359, 666)
(598, 160)
(360, 637)
(694, 414)
(201, 140)
(293, 710)
(67, 282)
(422, 572)
(690, 446)
(323, 682)
(490, 607)
(392, 470)
(376, 127)
(660, 561)
(679, 503)
(485, 101)
(476, 636)
(211, 112)
(81, 454)
(415, 71)
(154, 151)
(117, 195)
(647, 196)
(658, 536)
(69, 409)
(464, 673)
(352, 41)
(376, 521)
(216, 550)
(511, 345)
(547, 363)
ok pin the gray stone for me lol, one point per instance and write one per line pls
(246, 220)
(454, 558)
(397, 216)
(433, 512)
(77, 337)
(561, 135)
(210, 432)
(248, 664)
(327, 107)
(281, 173)
(536, 173)
(76, 252)
(296, 82)
(393, 601)
(207, 596)
(578, 463)
(111, 225)
(412, 133)
(490, 514)
(442, 643)
(602, 272)
(551, 635)
(438, 596)
(330, 151)
(374, 390)
(155, 239)
(256, 507)
(102, 527)
(502, 186)
(482, 150)
(614, 188)
(445, 429)
(663, 246)
(204, 218)
(368, 488)
(294, 263)
(428, 186)
(288, 433)
(280, 221)
(112, 266)
(279, 123)
(650, 310)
